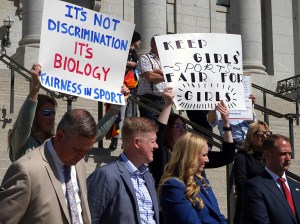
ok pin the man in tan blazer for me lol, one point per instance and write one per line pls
(34, 189)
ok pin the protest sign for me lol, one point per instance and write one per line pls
(203, 69)
(83, 52)
(248, 113)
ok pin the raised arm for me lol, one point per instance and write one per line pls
(160, 155)
(19, 135)
(213, 118)
(35, 84)
(226, 155)
(253, 98)
(224, 111)
(110, 117)
(168, 98)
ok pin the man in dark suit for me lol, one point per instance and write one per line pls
(124, 191)
(35, 187)
(267, 199)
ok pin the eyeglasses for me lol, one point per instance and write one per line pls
(180, 127)
(262, 134)
(48, 112)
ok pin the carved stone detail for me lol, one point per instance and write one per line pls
(19, 5)
(97, 5)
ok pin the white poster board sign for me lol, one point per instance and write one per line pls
(248, 113)
(203, 69)
(83, 52)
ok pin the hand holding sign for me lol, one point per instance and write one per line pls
(82, 59)
(203, 69)
(35, 82)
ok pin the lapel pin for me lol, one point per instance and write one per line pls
(297, 189)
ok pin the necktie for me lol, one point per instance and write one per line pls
(70, 195)
(287, 193)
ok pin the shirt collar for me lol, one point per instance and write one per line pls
(153, 55)
(274, 175)
(58, 163)
(133, 170)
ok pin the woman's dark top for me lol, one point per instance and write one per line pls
(162, 156)
(132, 56)
(245, 167)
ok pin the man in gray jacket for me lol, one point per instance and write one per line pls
(124, 191)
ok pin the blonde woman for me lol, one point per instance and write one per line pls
(185, 195)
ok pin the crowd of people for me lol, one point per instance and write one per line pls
(160, 175)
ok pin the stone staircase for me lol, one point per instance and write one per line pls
(7, 119)
(99, 157)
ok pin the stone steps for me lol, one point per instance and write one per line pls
(99, 157)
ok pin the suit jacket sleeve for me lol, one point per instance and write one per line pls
(100, 192)
(240, 170)
(15, 194)
(223, 157)
(21, 133)
(257, 211)
(294, 187)
(174, 204)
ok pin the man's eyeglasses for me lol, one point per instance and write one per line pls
(262, 134)
(48, 112)
(181, 127)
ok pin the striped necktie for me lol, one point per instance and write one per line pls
(70, 196)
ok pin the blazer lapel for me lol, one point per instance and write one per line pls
(152, 191)
(54, 178)
(127, 180)
(295, 190)
(270, 184)
(208, 198)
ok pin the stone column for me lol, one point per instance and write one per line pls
(32, 22)
(296, 11)
(246, 20)
(150, 18)
(28, 50)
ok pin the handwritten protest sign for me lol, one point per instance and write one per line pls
(83, 52)
(203, 69)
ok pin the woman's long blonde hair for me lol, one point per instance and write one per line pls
(184, 165)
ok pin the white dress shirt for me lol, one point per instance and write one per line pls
(60, 169)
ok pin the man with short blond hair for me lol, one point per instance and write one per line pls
(124, 191)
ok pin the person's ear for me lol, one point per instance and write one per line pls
(137, 142)
(266, 154)
(59, 135)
